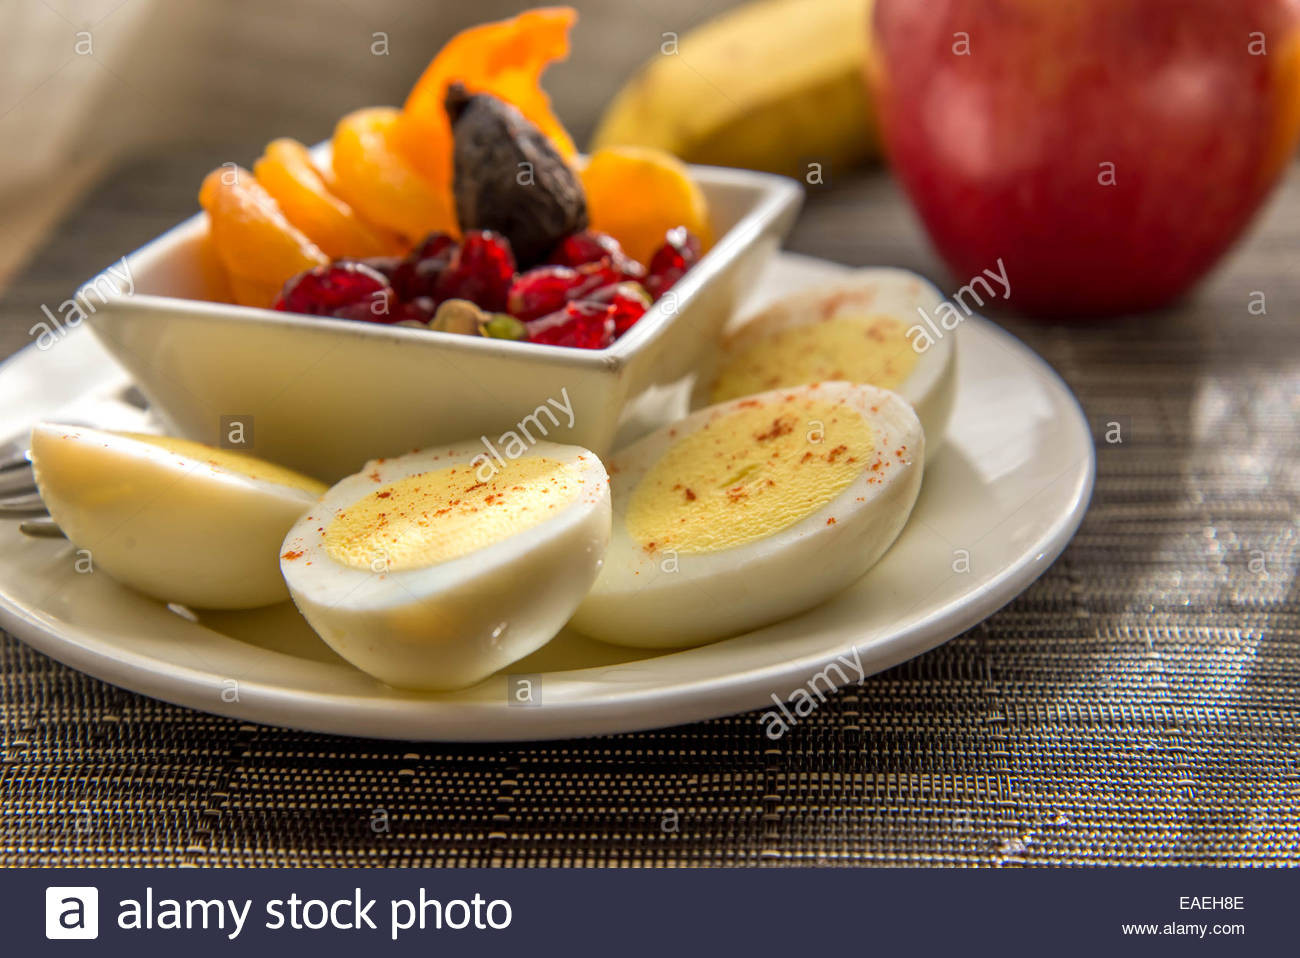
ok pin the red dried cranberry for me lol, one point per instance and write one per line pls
(324, 290)
(680, 251)
(582, 325)
(481, 271)
(630, 302)
(542, 290)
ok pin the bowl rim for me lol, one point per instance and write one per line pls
(775, 195)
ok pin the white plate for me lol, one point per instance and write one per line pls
(1000, 501)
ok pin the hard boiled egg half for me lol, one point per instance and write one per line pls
(174, 519)
(751, 511)
(436, 569)
(864, 330)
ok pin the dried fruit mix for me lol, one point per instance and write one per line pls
(472, 178)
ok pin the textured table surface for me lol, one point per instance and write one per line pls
(1138, 704)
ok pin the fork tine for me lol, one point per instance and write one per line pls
(20, 479)
(28, 505)
(41, 529)
(14, 455)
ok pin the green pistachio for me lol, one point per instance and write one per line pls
(504, 326)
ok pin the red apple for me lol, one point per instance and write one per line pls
(1108, 151)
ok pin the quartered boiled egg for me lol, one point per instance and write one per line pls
(860, 331)
(436, 569)
(750, 511)
(174, 519)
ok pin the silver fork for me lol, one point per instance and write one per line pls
(18, 495)
(19, 498)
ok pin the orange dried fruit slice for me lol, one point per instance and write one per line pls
(636, 194)
(258, 246)
(250, 292)
(506, 59)
(379, 182)
(287, 172)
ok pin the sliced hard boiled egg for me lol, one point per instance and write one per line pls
(859, 331)
(436, 569)
(174, 519)
(751, 511)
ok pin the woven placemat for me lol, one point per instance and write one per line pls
(1138, 704)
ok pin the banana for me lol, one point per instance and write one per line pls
(772, 85)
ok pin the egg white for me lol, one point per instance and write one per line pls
(168, 523)
(452, 623)
(646, 599)
(930, 386)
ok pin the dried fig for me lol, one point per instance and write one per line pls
(508, 177)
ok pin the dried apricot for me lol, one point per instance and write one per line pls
(636, 194)
(378, 181)
(249, 292)
(258, 246)
(287, 172)
(506, 59)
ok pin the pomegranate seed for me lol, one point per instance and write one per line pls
(680, 251)
(541, 290)
(684, 246)
(419, 272)
(631, 269)
(594, 276)
(419, 310)
(656, 286)
(419, 277)
(481, 271)
(324, 290)
(585, 247)
(583, 325)
(382, 307)
(386, 266)
(434, 246)
(591, 246)
(630, 302)
(424, 305)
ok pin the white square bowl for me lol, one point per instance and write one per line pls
(324, 395)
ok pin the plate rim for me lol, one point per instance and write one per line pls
(686, 701)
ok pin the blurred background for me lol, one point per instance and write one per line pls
(88, 84)
(1130, 141)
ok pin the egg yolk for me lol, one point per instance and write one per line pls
(748, 474)
(447, 513)
(853, 348)
(231, 461)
